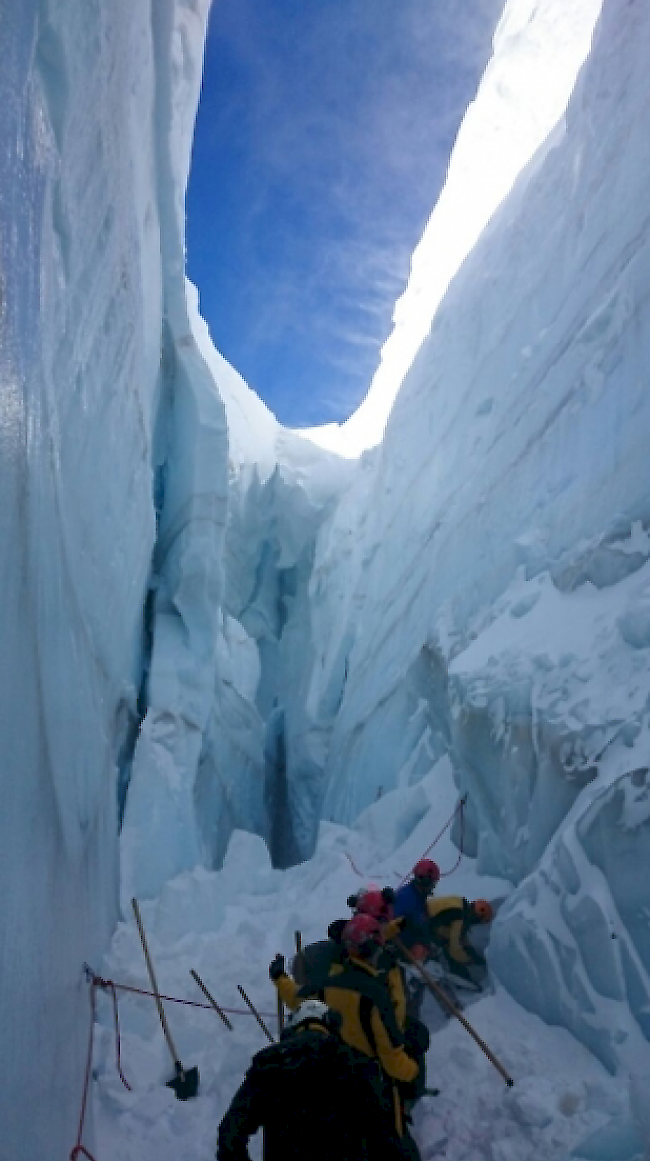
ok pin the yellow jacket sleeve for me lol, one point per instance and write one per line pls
(397, 996)
(394, 927)
(456, 949)
(288, 991)
(394, 1060)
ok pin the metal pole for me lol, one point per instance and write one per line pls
(255, 1013)
(440, 995)
(196, 976)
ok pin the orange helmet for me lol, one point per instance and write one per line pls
(483, 910)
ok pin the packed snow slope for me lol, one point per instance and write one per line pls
(228, 925)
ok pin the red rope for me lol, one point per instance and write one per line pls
(354, 868)
(113, 988)
(444, 874)
(118, 1047)
(79, 1148)
(175, 999)
(459, 807)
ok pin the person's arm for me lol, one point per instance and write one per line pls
(397, 995)
(242, 1119)
(393, 1059)
(287, 988)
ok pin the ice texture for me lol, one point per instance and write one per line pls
(481, 589)
(90, 244)
(248, 653)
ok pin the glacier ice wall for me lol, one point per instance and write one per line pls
(496, 593)
(537, 51)
(113, 478)
(211, 624)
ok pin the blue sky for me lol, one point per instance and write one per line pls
(322, 141)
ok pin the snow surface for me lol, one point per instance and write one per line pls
(228, 925)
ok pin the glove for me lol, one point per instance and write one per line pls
(419, 952)
(276, 968)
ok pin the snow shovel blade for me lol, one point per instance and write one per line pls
(186, 1082)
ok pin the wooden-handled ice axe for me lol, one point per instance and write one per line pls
(186, 1082)
(452, 1009)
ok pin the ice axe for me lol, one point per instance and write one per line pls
(186, 1081)
(453, 1010)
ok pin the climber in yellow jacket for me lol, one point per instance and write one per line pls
(450, 919)
(356, 988)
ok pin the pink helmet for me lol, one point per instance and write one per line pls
(361, 935)
(427, 869)
(374, 902)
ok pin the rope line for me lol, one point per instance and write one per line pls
(110, 986)
(79, 1148)
(174, 999)
(460, 807)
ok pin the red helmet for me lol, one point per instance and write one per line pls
(372, 901)
(427, 869)
(483, 910)
(361, 935)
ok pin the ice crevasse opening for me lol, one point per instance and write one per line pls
(236, 659)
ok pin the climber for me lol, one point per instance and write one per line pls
(410, 905)
(356, 988)
(310, 1087)
(451, 917)
(373, 901)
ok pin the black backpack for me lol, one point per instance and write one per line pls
(319, 1092)
(312, 965)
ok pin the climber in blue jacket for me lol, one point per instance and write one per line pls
(410, 904)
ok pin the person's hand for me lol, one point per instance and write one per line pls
(276, 968)
(419, 952)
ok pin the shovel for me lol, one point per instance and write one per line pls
(186, 1081)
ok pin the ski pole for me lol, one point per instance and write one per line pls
(453, 1010)
(196, 976)
(255, 1013)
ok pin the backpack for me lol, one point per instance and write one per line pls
(336, 1096)
(311, 966)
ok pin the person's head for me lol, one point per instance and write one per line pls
(312, 1012)
(373, 901)
(482, 911)
(362, 937)
(426, 874)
